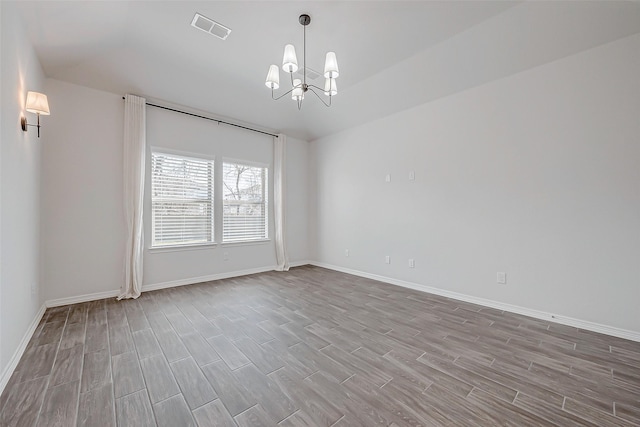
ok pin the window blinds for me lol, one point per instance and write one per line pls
(182, 200)
(244, 202)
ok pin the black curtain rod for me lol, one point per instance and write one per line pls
(207, 118)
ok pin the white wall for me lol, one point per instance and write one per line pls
(19, 188)
(182, 133)
(82, 215)
(536, 175)
(297, 200)
(83, 223)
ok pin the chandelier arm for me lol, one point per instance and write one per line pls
(281, 96)
(322, 100)
(319, 88)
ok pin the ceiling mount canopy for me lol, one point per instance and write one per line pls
(290, 65)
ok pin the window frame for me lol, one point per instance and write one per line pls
(153, 246)
(265, 200)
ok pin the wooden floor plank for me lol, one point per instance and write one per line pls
(232, 392)
(172, 345)
(97, 408)
(134, 410)
(213, 414)
(267, 393)
(174, 412)
(23, 405)
(229, 353)
(73, 335)
(96, 370)
(199, 348)
(159, 379)
(146, 343)
(60, 406)
(68, 366)
(255, 416)
(127, 375)
(265, 361)
(195, 387)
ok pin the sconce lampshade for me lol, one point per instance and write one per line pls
(331, 66)
(273, 77)
(290, 60)
(37, 103)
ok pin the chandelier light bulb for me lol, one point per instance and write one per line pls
(273, 77)
(331, 66)
(297, 94)
(290, 60)
(330, 87)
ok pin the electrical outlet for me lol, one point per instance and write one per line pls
(387, 178)
(346, 252)
(387, 259)
(225, 256)
(412, 263)
(412, 175)
(502, 278)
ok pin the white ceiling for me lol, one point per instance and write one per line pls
(392, 54)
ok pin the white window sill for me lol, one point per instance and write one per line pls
(177, 248)
(245, 242)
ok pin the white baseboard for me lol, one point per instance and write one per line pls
(8, 371)
(543, 315)
(211, 277)
(164, 285)
(81, 298)
(294, 264)
(200, 279)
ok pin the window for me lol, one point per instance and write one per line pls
(244, 202)
(181, 200)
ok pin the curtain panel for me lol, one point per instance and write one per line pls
(134, 171)
(279, 149)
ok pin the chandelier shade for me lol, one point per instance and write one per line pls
(331, 66)
(273, 77)
(290, 60)
(300, 86)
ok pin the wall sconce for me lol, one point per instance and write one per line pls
(36, 103)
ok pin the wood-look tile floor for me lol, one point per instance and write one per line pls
(313, 347)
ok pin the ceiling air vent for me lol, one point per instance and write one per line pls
(311, 74)
(210, 26)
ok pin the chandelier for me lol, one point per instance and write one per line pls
(290, 65)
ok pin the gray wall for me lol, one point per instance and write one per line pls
(536, 175)
(19, 188)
